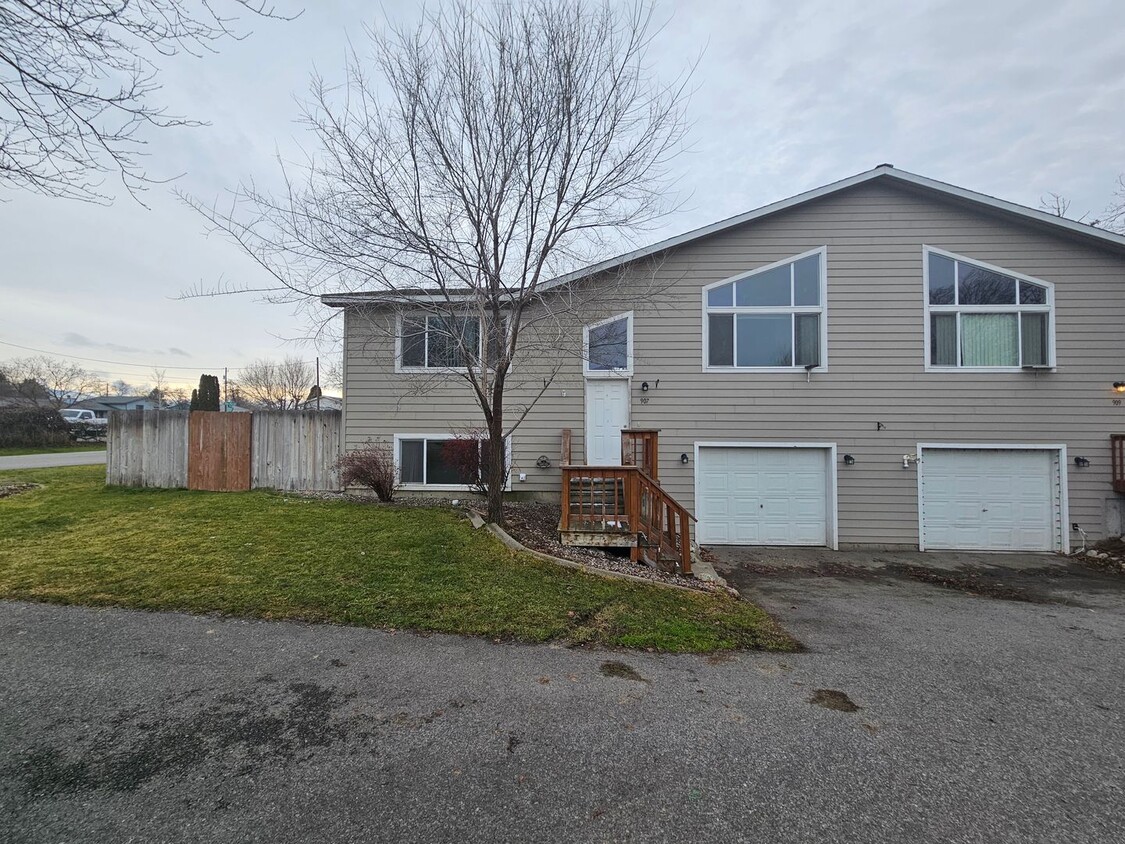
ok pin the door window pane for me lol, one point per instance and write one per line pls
(807, 334)
(941, 280)
(1033, 337)
(806, 281)
(410, 461)
(989, 340)
(976, 286)
(720, 339)
(765, 340)
(943, 339)
(770, 288)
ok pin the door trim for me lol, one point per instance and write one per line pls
(586, 383)
(1064, 483)
(832, 496)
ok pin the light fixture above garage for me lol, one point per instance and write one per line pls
(849, 460)
(1119, 386)
(1081, 462)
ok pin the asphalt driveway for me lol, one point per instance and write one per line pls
(979, 719)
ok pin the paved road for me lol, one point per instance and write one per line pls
(46, 461)
(979, 720)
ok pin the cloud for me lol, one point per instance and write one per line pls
(178, 352)
(71, 338)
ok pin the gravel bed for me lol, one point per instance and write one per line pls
(1108, 555)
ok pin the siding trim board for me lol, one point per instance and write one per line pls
(1061, 480)
(831, 493)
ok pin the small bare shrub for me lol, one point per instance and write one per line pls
(468, 455)
(372, 466)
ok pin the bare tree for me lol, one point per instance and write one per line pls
(54, 381)
(77, 79)
(484, 153)
(276, 385)
(1111, 219)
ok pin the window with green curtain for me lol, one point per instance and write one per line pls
(990, 340)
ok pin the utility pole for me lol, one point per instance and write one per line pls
(318, 382)
(226, 391)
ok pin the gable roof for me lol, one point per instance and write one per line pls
(1022, 213)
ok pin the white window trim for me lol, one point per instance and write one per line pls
(1048, 309)
(429, 370)
(424, 487)
(822, 309)
(608, 373)
(832, 493)
(1064, 479)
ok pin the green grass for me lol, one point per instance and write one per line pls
(264, 555)
(13, 451)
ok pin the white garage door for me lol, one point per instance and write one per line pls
(991, 499)
(762, 496)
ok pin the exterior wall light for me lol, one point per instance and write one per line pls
(684, 458)
(1081, 462)
(849, 460)
(1119, 386)
(644, 386)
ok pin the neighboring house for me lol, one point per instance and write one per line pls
(884, 361)
(102, 405)
(325, 403)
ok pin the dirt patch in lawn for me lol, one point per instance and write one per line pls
(7, 490)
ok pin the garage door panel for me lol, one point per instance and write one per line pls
(762, 496)
(991, 499)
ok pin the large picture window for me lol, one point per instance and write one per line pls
(435, 460)
(768, 319)
(982, 317)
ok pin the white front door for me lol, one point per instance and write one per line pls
(607, 412)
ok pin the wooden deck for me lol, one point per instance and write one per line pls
(625, 507)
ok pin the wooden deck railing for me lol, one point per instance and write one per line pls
(1117, 459)
(624, 499)
(663, 526)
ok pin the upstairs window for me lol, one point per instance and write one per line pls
(439, 342)
(983, 317)
(609, 347)
(769, 319)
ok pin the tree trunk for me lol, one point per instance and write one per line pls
(497, 463)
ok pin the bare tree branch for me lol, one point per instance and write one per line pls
(77, 79)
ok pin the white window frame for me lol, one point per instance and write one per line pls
(608, 373)
(821, 309)
(1016, 308)
(430, 370)
(423, 487)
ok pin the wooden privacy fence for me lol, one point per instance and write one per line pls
(289, 450)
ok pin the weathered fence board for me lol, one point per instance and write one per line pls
(219, 451)
(147, 448)
(295, 450)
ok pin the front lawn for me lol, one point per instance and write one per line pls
(265, 555)
(14, 451)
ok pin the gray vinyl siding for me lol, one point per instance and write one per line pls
(874, 234)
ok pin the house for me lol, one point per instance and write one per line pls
(102, 405)
(887, 360)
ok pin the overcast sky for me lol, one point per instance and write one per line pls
(1014, 98)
